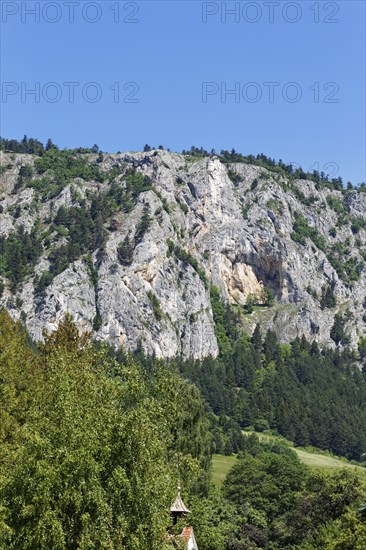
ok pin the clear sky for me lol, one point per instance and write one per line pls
(159, 72)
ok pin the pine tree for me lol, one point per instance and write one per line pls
(257, 338)
(125, 251)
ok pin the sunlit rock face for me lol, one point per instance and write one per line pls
(238, 234)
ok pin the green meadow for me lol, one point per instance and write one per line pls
(312, 458)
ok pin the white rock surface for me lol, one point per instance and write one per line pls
(239, 254)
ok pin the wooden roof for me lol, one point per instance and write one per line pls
(178, 506)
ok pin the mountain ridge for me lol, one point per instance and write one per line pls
(129, 244)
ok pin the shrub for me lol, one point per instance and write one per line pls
(302, 231)
(268, 296)
(245, 211)
(158, 312)
(187, 258)
(333, 232)
(235, 177)
(328, 298)
(250, 303)
(337, 332)
(357, 224)
(125, 251)
(97, 321)
(254, 184)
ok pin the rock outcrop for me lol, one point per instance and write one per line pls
(203, 228)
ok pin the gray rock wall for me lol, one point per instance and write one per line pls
(239, 234)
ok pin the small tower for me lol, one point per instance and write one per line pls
(178, 509)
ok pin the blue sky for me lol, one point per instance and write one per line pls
(177, 62)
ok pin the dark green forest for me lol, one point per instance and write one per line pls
(92, 444)
(309, 395)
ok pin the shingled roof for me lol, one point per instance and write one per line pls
(178, 506)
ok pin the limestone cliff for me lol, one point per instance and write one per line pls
(197, 222)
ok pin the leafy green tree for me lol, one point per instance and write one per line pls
(18, 371)
(347, 532)
(99, 449)
(214, 519)
(250, 303)
(268, 297)
(323, 509)
(269, 482)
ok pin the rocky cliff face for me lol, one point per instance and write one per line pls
(241, 228)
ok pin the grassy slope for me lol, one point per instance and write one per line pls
(222, 464)
(315, 460)
(220, 467)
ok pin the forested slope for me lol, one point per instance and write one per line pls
(210, 293)
(92, 445)
(130, 244)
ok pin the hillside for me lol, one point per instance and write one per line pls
(244, 282)
(314, 459)
(92, 447)
(129, 244)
